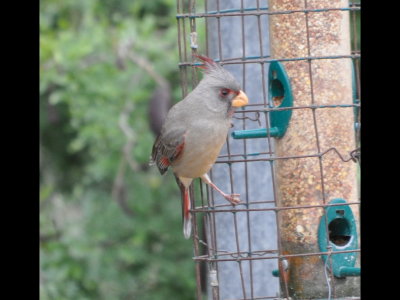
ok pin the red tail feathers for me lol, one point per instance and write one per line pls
(186, 216)
(187, 222)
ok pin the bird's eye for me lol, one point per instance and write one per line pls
(224, 92)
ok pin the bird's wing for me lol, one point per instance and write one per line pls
(167, 148)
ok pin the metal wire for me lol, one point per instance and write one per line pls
(207, 253)
(259, 12)
(260, 59)
(328, 283)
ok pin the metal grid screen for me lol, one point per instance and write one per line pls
(245, 251)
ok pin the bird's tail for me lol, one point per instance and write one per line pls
(186, 216)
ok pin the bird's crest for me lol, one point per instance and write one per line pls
(208, 65)
(215, 71)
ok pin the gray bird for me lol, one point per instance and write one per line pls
(195, 130)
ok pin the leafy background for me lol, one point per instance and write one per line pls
(110, 226)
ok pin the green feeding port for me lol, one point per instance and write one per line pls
(341, 236)
(280, 96)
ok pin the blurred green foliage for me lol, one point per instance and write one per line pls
(95, 244)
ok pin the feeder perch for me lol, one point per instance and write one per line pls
(280, 96)
(342, 236)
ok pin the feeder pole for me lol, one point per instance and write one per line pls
(232, 37)
(313, 180)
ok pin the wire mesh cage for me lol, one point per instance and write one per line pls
(293, 153)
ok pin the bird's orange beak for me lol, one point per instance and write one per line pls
(240, 100)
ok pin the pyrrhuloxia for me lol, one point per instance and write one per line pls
(195, 130)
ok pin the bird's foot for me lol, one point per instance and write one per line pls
(232, 198)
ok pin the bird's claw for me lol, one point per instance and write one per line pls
(233, 198)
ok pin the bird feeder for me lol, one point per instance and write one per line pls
(312, 42)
